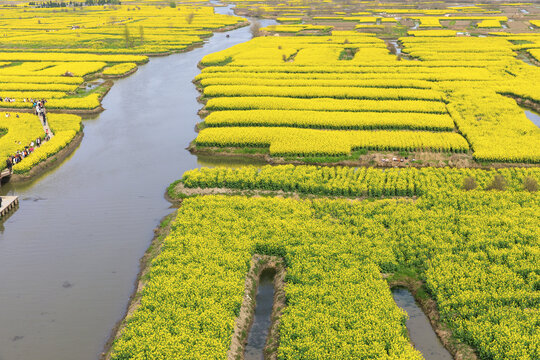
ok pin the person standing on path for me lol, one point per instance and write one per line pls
(9, 164)
(38, 110)
(43, 112)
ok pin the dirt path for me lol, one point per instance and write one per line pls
(46, 127)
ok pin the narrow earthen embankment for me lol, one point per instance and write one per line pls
(179, 191)
(528, 103)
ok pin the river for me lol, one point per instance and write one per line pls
(69, 256)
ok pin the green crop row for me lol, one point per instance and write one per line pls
(347, 181)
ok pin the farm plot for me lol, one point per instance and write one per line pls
(47, 54)
(338, 305)
(494, 125)
(273, 93)
(356, 182)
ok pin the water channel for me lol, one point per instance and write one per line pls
(420, 331)
(533, 116)
(262, 318)
(70, 254)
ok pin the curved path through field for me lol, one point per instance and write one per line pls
(70, 254)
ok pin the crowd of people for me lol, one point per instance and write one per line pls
(20, 155)
(39, 105)
(40, 111)
(12, 100)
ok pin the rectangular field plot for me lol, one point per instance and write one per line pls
(444, 94)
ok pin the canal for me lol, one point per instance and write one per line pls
(69, 256)
(420, 331)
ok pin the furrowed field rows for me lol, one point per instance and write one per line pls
(348, 181)
(39, 56)
(375, 83)
(337, 68)
(324, 92)
(331, 120)
(53, 68)
(495, 127)
(21, 95)
(325, 104)
(476, 75)
(315, 77)
(36, 87)
(291, 141)
(42, 79)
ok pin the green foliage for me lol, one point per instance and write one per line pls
(347, 181)
(477, 251)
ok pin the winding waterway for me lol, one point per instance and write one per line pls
(70, 254)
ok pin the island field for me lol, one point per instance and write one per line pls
(401, 152)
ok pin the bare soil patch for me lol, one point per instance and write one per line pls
(372, 159)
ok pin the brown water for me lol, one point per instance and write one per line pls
(70, 254)
(421, 333)
(263, 317)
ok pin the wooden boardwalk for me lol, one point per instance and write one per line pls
(4, 174)
(8, 204)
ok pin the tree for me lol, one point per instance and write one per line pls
(255, 29)
(141, 33)
(172, 4)
(127, 37)
(189, 17)
(259, 12)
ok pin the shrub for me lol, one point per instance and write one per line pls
(498, 183)
(530, 184)
(469, 183)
